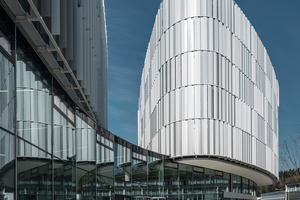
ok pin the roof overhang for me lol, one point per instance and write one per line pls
(260, 176)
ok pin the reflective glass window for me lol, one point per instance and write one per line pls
(64, 179)
(122, 170)
(186, 181)
(171, 180)
(7, 165)
(210, 184)
(198, 183)
(86, 160)
(34, 175)
(64, 137)
(139, 177)
(236, 183)
(7, 93)
(155, 177)
(34, 96)
(105, 172)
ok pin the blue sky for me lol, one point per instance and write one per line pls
(129, 26)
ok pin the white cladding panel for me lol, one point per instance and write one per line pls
(208, 86)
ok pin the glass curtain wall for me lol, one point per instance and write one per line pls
(7, 107)
(198, 183)
(7, 165)
(155, 175)
(186, 181)
(64, 148)
(34, 174)
(105, 167)
(86, 160)
(7, 94)
(122, 167)
(139, 171)
(171, 180)
(34, 120)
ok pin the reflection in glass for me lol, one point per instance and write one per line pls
(64, 137)
(245, 185)
(199, 184)
(86, 160)
(139, 178)
(7, 94)
(186, 181)
(85, 140)
(155, 177)
(33, 103)
(236, 183)
(7, 165)
(210, 184)
(171, 180)
(105, 172)
(122, 170)
(34, 175)
(64, 180)
(86, 183)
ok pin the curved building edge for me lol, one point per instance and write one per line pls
(208, 87)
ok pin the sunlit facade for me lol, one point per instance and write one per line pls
(54, 142)
(209, 95)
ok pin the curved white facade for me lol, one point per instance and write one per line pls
(208, 87)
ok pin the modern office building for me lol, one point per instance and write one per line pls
(54, 142)
(209, 95)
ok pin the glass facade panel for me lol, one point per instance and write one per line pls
(236, 183)
(211, 189)
(64, 137)
(122, 170)
(171, 180)
(86, 160)
(186, 181)
(64, 179)
(34, 175)
(245, 186)
(7, 93)
(7, 165)
(155, 177)
(33, 99)
(86, 183)
(105, 173)
(139, 178)
(199, 185)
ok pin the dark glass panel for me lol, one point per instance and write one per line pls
(211, 191)
(251, 187)
(171, 180)
(155, 177)
(105, 173)
(86, 183)
(122, 170)
(7, 165)
(186, 181)
(139, 178)
(34, 174)
(7, 94)
(199, 185)
(64, 180)
(245, 185)
(236, 184)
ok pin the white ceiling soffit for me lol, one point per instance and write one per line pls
(259, 176)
